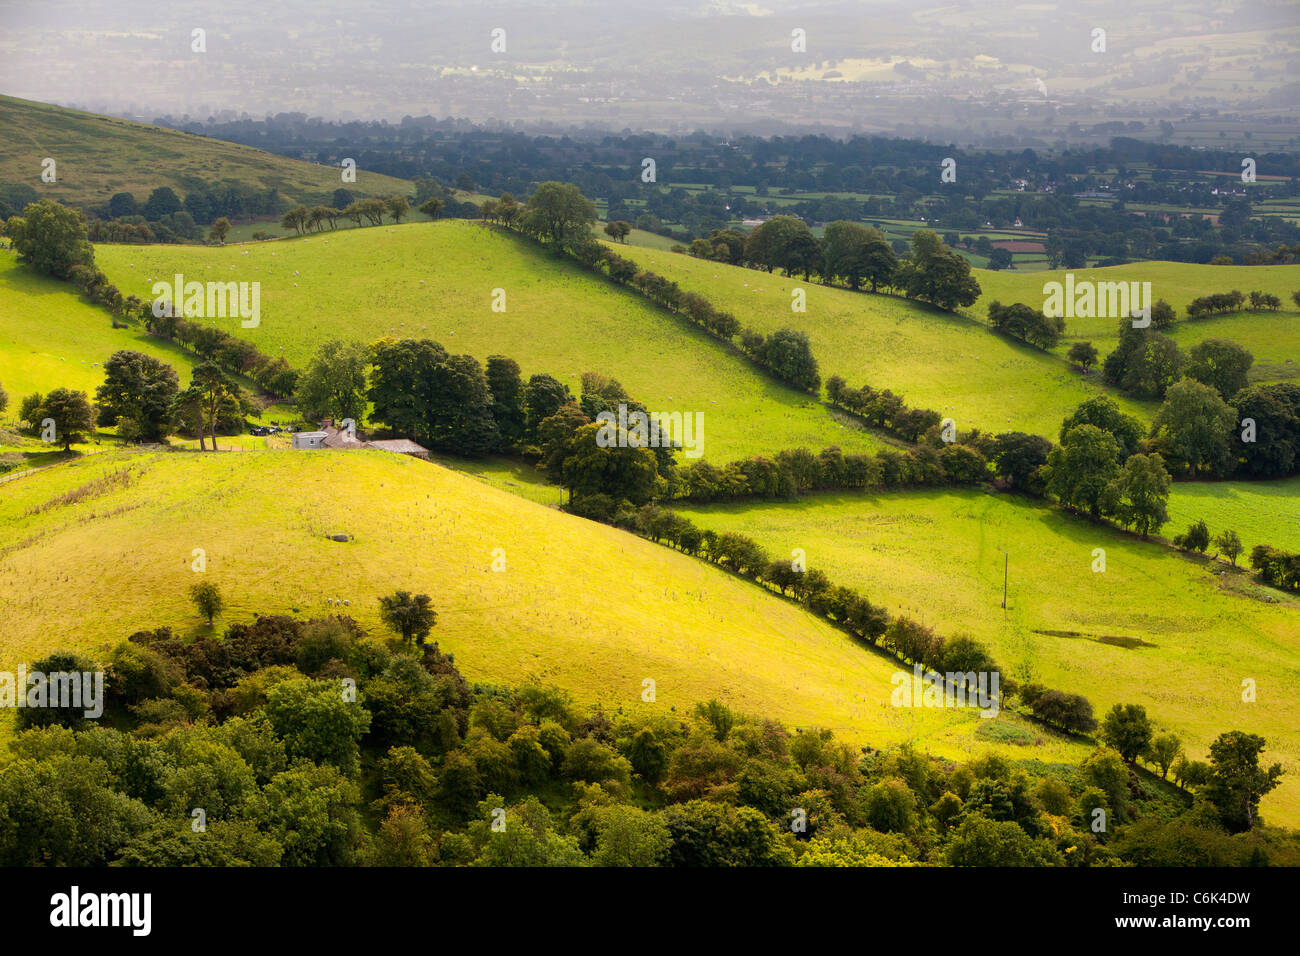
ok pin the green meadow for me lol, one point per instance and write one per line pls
(1261, 512)
(1272, 337)
(436, 280)
(50, 338)
(1155, 628)
(94, 550)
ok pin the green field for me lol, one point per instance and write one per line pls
(579, 605)
(1261, 512)
(98, 156)
(934, 359)
(436, 280)
(1272, 337)
(935, 556)
(50, 338)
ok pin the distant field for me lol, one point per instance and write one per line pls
(934, 555)
(97, 156)
(436, 280)
(1271, 336)
(580, 605)
(936, 360)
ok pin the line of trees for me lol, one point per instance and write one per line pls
(53, 240)
(906, 639)
(303, 219)
(1221, 303)
(559, 216)
(882, 409)
(235, 355)
(849, 253)
(141, 396)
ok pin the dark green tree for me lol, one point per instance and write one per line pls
(1127, 728)
(73, 417)
(334, 383)
(1081, 468)
(1103, 412)
(1221, 364)
(1237, 781)
(558, 213)
(507, 388)
(207, 600)
(140, 388)
(411, 616)
(51, 238)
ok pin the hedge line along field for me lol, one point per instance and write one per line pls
(1155, 628)
(436, 280)
(98, 156)
(50, 338)
(579, 605)
(935, 359)
(1272, 337)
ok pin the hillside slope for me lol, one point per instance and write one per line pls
(1154, 628)
(437, 280)
(933, 359)
(97, 156)
(50, 338)
(579, 605)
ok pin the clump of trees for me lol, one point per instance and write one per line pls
(1276, 567)
(419, 389)
(1032, 326)
(136, 396)
(265, 726)
(69, 409)
(1145, 362)
(849, 253)
(1221, 303)
(558, 215)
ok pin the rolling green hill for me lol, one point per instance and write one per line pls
(1272, 337)
(1155, 628)
(579, 605)
(97, 156)
(934, 359)
(436, 280)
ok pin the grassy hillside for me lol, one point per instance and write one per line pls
(935, 360)
(97, 156)
(1261, 512)
(934, 556)
(580, 605)
(437, 280)
(1272, 337)
(50, 338)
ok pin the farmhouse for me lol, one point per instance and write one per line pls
(330, 436)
